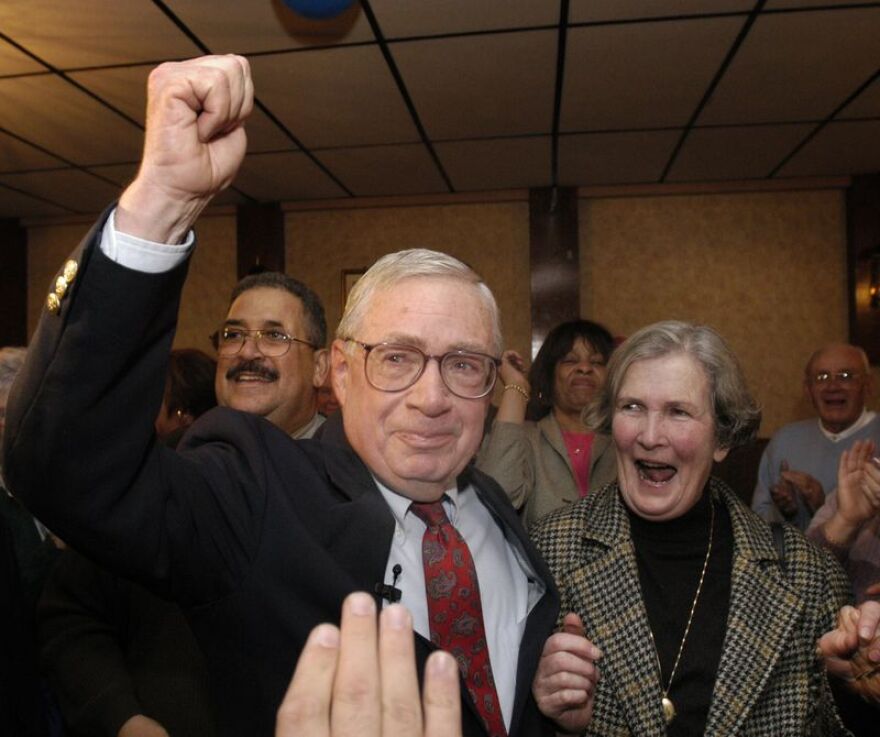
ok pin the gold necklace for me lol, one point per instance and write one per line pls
(668, 707)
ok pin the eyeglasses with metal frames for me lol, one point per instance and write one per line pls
(844, 377)
(271, 342)
(392, 367)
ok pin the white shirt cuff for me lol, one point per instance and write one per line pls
(142, 255)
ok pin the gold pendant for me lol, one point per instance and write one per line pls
(668, 709)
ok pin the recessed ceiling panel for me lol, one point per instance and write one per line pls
(70, 188)
(94, 32)
(797, 66)
(234, 26)
(284, 176)
(641, 75)
(481, 86)
(48, 112)
(748, 152)
(13, 61)
(503, 163)
(373, 171)
(866, 105)
(17, 205)
(589, 11)
(614, 158)
(334, 97)
(18, 156)
(400, 19)
(845, 147)
(120, 174)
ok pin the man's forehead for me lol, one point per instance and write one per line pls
(837, 358)
(265, 307)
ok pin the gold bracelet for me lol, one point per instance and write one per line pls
(517, 388)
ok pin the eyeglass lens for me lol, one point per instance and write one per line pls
(844, 377)
(395, 368)
(268, 342)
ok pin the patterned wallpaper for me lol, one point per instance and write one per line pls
(492, 238)
(767, 270)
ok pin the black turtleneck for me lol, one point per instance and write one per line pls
(670, 556)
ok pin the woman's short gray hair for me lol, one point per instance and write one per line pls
(408, 264)
(737, 415)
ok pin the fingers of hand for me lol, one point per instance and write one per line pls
(869, 621)
(442, 700)
(401, 712)
(306, 705)
(356, 698)
(574, 644)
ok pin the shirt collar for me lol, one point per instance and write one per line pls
(399, 504)
(836, 437)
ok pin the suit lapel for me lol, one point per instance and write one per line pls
(607, 594)
(763, 610)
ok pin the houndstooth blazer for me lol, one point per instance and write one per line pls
(769, 681)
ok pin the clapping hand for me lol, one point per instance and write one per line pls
(852, 650)
(565, 684)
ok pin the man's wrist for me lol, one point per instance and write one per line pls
(155, 214)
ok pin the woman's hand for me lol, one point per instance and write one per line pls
(565, 684)
(858, 494)
(851, 651)
(515, 397)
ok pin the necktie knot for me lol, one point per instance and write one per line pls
(431, 513)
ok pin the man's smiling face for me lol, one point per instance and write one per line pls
(279, 388)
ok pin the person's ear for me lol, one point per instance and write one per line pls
(322, 366)
(340, 371)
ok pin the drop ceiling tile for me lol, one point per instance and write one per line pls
(866, 105)
(589, 11)
(614, 158)
(94, 32)
(334, 97)
(481, 86)
(68, 188)
(17, 205)
(16, 155)
(374, 171)
(13, 61)
(126, 89)
(503, 163)
(119, 174)
(641, 75)
(284, 177)
(797, 66)
(851, 147)
(52, 114)
(752, 152)
(400, 19)
(233, 26)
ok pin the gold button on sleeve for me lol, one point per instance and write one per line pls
(61, 286)
(70, 269)
(53, 303)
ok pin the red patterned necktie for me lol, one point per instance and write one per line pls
(454, 610)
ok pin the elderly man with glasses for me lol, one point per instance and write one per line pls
(799, 465)
(259, 536)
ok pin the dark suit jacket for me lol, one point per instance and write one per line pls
(258, 536)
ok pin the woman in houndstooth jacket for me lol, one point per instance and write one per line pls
(703, 624)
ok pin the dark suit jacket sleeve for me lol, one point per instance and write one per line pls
(82, 615)
(80, 450)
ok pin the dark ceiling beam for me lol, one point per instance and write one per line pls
(404, 92)
(713, 85)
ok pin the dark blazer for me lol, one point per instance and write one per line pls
(769, 681)
(258, 536)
